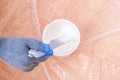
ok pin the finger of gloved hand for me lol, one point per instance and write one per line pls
(35, 44)
(28, 70)
(35, 64)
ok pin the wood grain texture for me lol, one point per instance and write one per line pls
(93, 17)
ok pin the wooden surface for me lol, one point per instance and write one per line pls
(27, 18)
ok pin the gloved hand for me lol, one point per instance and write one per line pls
(14, 51)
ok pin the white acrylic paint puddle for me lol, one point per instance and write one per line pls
(64, 32)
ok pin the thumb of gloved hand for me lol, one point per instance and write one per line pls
(14, 51)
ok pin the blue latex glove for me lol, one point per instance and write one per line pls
(14, 51)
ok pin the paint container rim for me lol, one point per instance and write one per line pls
(48, 35)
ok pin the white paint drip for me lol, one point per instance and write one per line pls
(36, 19)
(102, 35)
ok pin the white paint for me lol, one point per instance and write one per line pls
(64, 30)
(103, 35)
(36, 18)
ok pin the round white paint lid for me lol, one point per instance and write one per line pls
(62, 30)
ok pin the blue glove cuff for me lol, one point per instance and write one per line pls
(47, 50)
